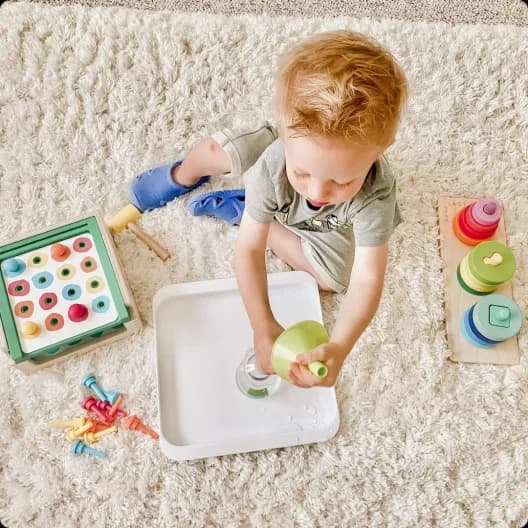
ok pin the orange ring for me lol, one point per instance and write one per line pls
(29, 309)
(461, 236)
(88, 264)
(54, 322)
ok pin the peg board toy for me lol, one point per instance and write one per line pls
(62, 291)
(457, 300)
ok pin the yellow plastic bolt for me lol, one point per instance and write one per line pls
(92, 438)
(75, 423)
(70, 435)
(494, 260)
(81, 430)
(30, 329)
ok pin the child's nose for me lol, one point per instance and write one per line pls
(319, 191)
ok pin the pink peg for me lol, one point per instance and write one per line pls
(90, 404)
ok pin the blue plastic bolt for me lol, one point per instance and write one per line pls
(90, 383)
(13, 267)
(111, 396)
(80, 448)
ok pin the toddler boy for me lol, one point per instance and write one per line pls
(318, 191)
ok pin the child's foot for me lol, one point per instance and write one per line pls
(226, 205)
(156, 187)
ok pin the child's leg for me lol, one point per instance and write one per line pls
(206, 157)
(286, 245)
(227, 151)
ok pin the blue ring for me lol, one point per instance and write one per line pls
(104, 299)
(73, 296)
(44, 284)
(475, 330)
(469, 336)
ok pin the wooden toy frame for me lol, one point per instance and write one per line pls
(128, 321)
(457, 300)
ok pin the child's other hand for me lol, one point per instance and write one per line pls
(263, 341)
(331, 354)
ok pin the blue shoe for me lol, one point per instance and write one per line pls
(155, 188)
(227, 205)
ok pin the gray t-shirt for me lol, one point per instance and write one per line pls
(370, 217)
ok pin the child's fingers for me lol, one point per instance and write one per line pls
(302, 377)
(316, 354)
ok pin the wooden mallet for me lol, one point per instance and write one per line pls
(127, 218)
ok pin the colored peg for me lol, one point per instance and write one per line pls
(30, 330)
(70, 435)
(81, 430)
(91, 438)
(115, 408)
(111, 396)
(13, 267)
(75, 423)
(134, 424)
(90, 383)
(90, 405)
(78, 312)
(59, 252)
(79, 447)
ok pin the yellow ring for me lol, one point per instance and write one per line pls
(470, 280)
(43, 260)
(98, 288)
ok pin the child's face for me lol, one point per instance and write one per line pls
(327, 171)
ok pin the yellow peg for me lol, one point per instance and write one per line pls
(81, 430)
(91, 438)
(494, 260)
(75, 423)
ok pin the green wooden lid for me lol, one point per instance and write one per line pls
(497, 317)
(491, 262)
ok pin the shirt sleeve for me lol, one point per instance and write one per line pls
(261, 196)
(374, 223)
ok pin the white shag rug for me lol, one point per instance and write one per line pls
(91, 96)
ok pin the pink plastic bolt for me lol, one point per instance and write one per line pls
(134, 424)
(90, 404)
(78, 313)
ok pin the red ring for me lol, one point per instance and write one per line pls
(53, 302)
(472, 233)
(86, 241)
(12, 288)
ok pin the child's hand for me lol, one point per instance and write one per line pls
(263, 341)
(331, 354)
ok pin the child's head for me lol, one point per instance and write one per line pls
(339, 102)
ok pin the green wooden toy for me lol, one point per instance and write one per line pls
(295, 340)
(491, 263)
(62, 291)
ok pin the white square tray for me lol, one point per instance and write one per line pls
(202, 334)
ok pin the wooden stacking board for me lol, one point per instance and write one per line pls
(457, 300)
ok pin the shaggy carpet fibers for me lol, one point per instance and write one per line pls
(89, 97)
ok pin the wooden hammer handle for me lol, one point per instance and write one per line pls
(162, 253)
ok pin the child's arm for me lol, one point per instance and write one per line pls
(250, 267)
(357, 310)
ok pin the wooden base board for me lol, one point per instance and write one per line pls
(457, 300)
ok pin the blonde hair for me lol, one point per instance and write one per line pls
(341, 84)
